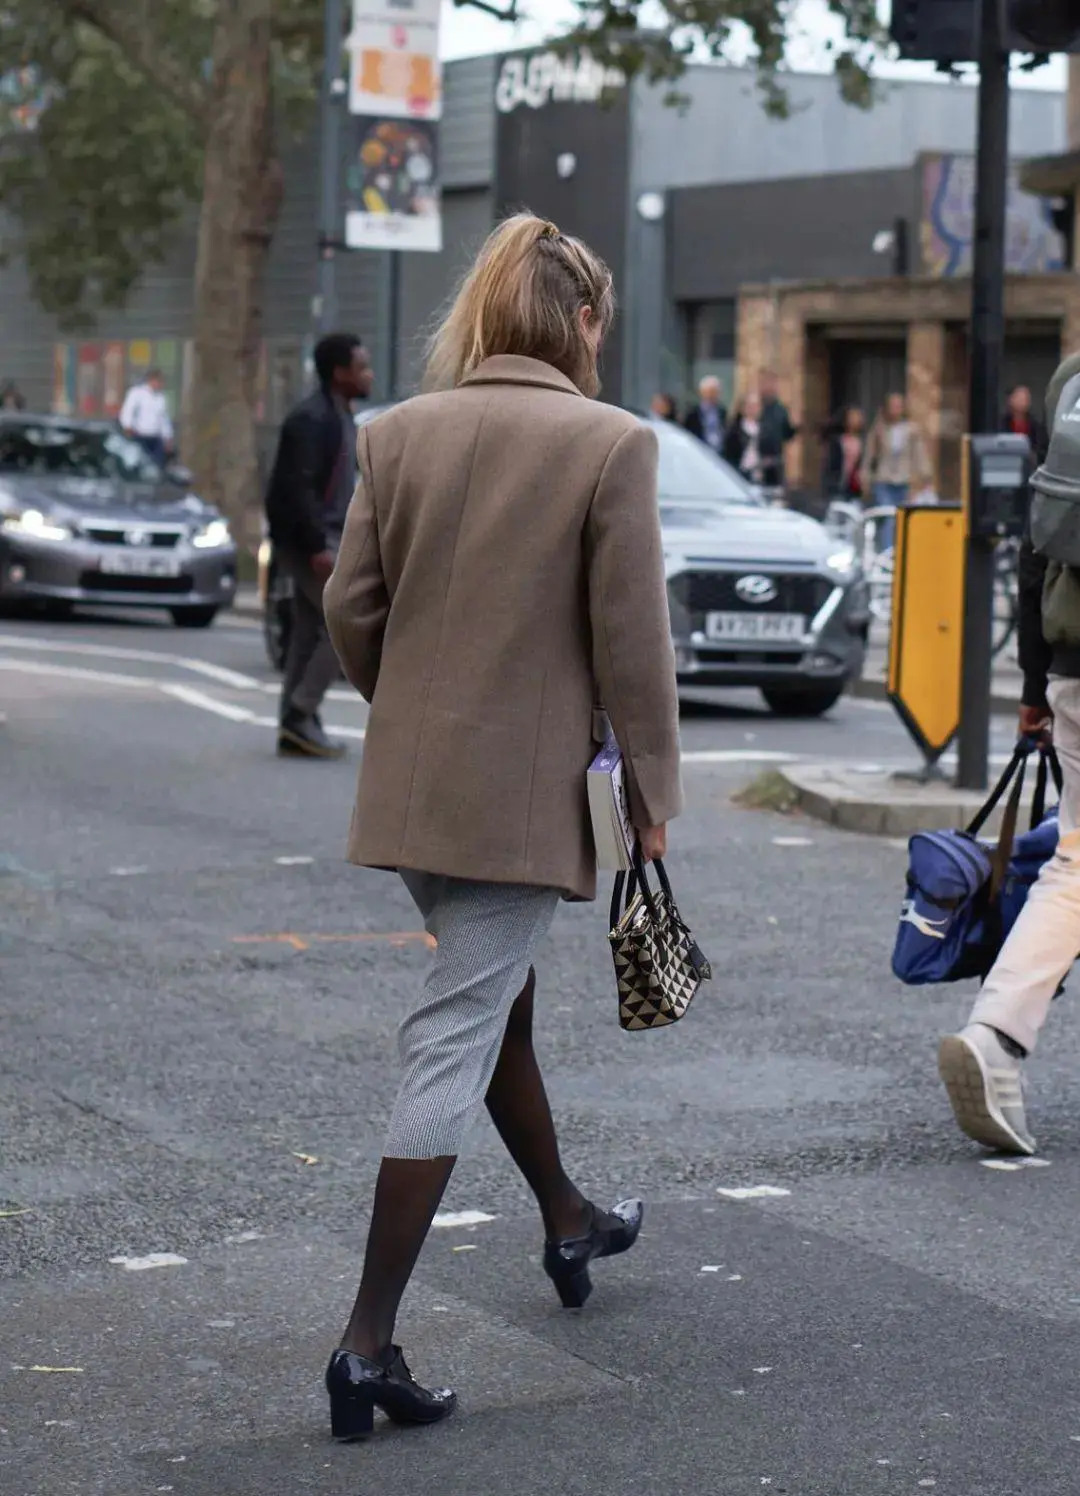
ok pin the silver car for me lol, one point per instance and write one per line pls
(759, 595)
(86, 516)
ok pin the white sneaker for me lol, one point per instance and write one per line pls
(985, 1086)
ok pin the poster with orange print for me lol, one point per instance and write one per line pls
(112, 391)
(394, 59)
(89, 379)
(63, 400)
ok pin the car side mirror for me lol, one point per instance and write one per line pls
(181, 476)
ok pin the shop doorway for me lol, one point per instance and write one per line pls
(863, 371)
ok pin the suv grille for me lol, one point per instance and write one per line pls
(714, 592)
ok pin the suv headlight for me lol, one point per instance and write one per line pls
(843, 562)
(212, 535)
(35, 526)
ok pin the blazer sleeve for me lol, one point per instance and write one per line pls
(633, 657)
(356, 601)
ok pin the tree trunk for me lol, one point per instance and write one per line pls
(242, 194)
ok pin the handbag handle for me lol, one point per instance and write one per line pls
(638, 878)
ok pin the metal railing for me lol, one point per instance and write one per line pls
(861, 528)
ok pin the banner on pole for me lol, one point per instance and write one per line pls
(394, 69)
(393, 186)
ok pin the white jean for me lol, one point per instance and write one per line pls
(1045, 940)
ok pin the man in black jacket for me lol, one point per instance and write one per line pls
(982, 1066)
(775, 431)
(306, 502)
(708, 419)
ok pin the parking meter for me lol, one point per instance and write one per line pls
(997, 472)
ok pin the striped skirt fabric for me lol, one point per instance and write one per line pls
(487, 935)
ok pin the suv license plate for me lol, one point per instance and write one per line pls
(136, 564)
(730, 628)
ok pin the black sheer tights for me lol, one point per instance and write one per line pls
(409, 1190)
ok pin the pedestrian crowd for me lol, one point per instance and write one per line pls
(880, 464)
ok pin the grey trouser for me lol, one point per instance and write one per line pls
(311, 666)
(487, 935)
(1044, 942)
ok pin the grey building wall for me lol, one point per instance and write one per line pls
(808, 228)
(467, 141)
(724, 136)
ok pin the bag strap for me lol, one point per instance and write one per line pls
(1042, 784)
(999, 864)
(1015, 766)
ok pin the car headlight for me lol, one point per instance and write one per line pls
(842, 563)
(214, 534)
(35, 525)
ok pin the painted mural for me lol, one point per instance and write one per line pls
(91, 378)
(1033, 245)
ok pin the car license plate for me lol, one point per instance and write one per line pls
(138, 564)
(762, 628)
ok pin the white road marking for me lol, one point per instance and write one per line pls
(793, 841)
(127, 872)
(142, 656)
(451, 1218)
(738, 756)
(294, 861)
(754, 1192)
(192, 697)
(153, 1259)
(74, 672)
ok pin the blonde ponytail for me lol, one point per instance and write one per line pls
(524, 296)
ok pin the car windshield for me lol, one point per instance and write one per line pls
(689, 470)
(56, 451)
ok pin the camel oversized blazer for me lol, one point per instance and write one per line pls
(501, 572)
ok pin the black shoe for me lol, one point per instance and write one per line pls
(567, 1262)
(303, 737)
(358, 1386)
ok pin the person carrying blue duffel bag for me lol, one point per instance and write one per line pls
(964, 895)
(983, 1065)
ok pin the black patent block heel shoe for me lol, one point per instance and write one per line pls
(567, 1262)
(358, 1386)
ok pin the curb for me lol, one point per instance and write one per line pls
(874, 690)
(879, 804)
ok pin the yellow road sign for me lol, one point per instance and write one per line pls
(927, 634)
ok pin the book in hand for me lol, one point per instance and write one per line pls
(609, 809)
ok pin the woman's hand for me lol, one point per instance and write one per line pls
(653, 842)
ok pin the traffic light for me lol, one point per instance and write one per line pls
(947, 31)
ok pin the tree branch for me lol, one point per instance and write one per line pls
(114, 20)
(510, 13)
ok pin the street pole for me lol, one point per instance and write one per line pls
(987, 351)
(325, 306)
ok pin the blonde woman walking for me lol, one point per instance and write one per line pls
(501, 573)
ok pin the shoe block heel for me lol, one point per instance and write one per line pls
(574, 1289)
(351, 1417)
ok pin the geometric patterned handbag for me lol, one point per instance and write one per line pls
(658, 965)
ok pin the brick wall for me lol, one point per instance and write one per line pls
(782, 327)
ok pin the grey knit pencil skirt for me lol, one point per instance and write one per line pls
(487, 935)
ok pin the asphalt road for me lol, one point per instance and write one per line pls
(198, 1003)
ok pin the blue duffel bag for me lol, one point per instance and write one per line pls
(963, 895)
